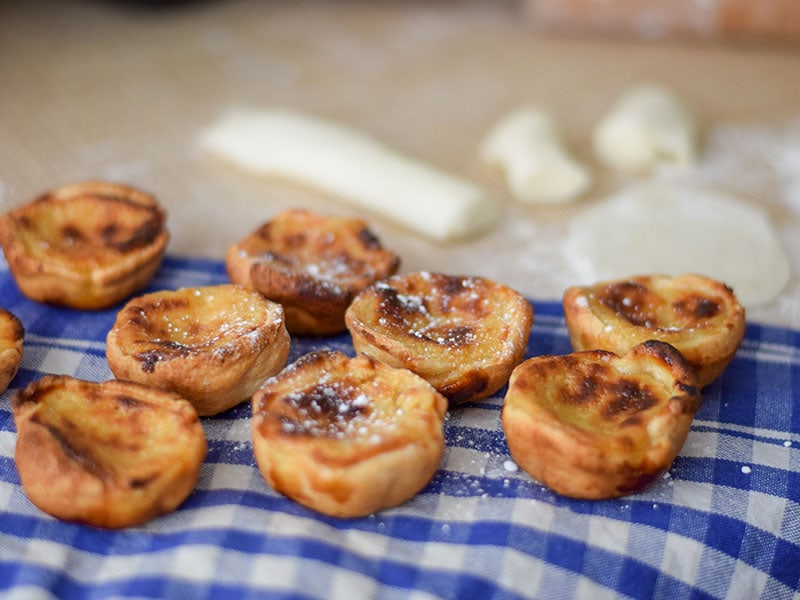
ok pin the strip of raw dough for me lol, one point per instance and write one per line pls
(646, 126)
(340, 161)
(664, 228)
(529, 148)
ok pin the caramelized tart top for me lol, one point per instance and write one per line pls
(340, 404)
(89, 225)
(463, 334)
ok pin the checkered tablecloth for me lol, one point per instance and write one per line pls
(724, 522)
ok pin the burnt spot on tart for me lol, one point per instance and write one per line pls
(165, 351)
(323, 410)
(595, 386)
(469, 386)
(93, 221)
(329, 406)
(368, 239)
(625, 398)
(128, 402)
(25, 396)
(142, 481)
(125, 241)
(631, 300)
(640, 303)
(638, 479)
(71, 235)
(67, 439)
(398, 310)
(141, 313)
(696, 308)
(8, 374)
(443, 312)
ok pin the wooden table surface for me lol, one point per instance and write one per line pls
(92, 89)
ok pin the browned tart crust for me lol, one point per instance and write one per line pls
(11, 340)
(212, 345)
(311, 264)
(699, 316)
(595, 425)
(111, 454)
(347, 436)
(463, 334)
(87, 245)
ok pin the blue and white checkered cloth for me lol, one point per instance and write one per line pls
(723, 523)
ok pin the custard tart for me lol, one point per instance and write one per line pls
(311, 264)
(111, 454)
(699, 316)
(463, 334)
(347, 436)
(596, 425)
(87, 245)
(11, 340)
(213, 345)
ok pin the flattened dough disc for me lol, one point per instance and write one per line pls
(660, 227)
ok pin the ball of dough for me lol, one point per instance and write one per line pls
(646, 126)
(539, 169)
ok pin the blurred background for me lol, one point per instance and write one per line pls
(121, 90)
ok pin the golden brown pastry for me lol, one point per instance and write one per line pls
(11, 339)
(111, 454)
(87, 245)
(699, 316)
(463, 334)
(595, 425)
(347, 436)
(212, 345)
(311, 264)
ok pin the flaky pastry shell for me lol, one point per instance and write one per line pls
(311, 264)
(463, 334)
(12, 334)
(596, 425)
(111, 454)
(87, 245)
(347, 436)
(213, 345)
(699, 316)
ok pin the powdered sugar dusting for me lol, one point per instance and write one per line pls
(334, 409)
(222, 321)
